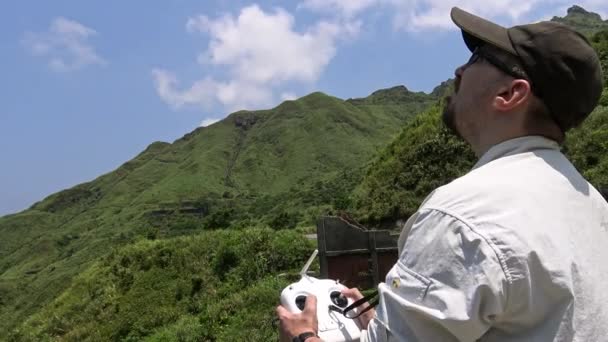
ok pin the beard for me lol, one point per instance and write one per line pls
(449, 117)
(449, 110)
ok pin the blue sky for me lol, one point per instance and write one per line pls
(87, 85)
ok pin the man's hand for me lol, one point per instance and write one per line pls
(293, 324)
(367, 316)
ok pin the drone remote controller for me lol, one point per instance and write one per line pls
(333, 325)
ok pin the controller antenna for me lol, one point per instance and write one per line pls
(307, 266)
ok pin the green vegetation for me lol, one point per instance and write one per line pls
(424, 156)
(210, 286)
(583, 21)
(194, 240)
(280, 169)
(600, 43)
(587, 146)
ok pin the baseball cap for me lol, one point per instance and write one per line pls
(560, 63)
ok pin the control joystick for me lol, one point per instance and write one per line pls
(338, 299)
(333, 325)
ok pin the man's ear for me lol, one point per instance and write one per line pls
(512, 95)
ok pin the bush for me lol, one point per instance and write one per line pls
(283, 220)
(220, 285)
(424, 156)
(219, 219)
(587, 147)
(604, 98)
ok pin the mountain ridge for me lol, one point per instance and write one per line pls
(253, 168)
(582, 20)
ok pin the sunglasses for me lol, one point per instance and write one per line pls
(514, 70)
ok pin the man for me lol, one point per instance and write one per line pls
(517, 249)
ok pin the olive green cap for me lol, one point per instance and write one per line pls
(562, 66)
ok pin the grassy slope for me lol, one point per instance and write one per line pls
(423, 157)
(222, 285)
(149, 287)
(583, 21)
(251, 162)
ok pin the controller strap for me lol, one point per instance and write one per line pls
(372, 298)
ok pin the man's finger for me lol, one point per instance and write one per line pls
(311, 304)
(282, 312)
(353, 293)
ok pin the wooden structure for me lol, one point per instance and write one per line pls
(354, 255)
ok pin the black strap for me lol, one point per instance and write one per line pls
(304, 336)
(372, 298)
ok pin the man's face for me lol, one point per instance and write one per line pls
(466, 110)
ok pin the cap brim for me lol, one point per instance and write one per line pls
(477, 31)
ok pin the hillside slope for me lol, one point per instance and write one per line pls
(276, 168)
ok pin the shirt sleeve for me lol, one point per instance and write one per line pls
(448, 285)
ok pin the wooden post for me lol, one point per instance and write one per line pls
(374, 254)
(347, 251)
(322, 247)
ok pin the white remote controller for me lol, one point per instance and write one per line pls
(333, 325)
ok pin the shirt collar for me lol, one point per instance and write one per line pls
(516, 146)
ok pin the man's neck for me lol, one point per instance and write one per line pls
(486, 141)
(482, 151)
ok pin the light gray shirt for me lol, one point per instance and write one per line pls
(515, 250)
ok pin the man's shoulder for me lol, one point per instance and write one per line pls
(510, 180)
(471, 189)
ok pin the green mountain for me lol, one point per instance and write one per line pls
(273, 168)
(193, 240)
(583, 21)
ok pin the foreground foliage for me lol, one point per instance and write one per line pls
(279, 168)
(216, 286)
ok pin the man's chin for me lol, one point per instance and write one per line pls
(449, 117)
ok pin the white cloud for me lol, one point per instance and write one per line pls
(208, 122)
(346, 8)
(434, 15)
(200, 93)
(204, 93)
(288, 96)
(422, 15)
(263, 47)
(257, 53)
(260, 52)
(65, 44)
(240, 94)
